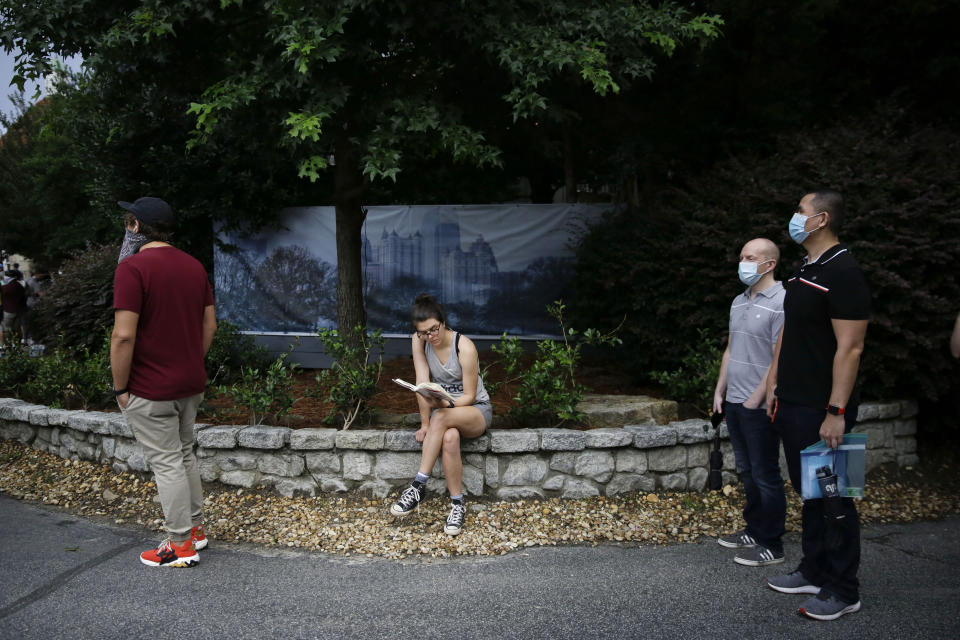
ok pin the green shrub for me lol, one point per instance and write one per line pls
(694, 381)
(548, 388)
(672, 268)
(78, 303)
(16, 366)
(352, 378)
(264, 392)
(231, 350)
(78, 379)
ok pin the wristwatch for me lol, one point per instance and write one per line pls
(834, 410)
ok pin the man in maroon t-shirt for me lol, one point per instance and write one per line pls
(164, 322)
(13, 297)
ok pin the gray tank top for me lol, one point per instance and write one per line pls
(450, 375)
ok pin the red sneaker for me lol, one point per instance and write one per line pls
(169, 554)
(199, 537)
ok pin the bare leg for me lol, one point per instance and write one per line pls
(467, 420)
(452, 464)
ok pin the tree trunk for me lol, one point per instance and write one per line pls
(348, 193)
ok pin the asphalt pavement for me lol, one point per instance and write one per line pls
(63, 576)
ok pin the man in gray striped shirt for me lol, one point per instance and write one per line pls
(756, 317)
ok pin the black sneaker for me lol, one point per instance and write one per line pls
(455, 520)
(792, 583)
(758, 556)
(739, 540)
(825, 606)
(409, 499)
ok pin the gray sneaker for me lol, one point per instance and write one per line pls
(738, 540)
(825, 606)
(792, 583)
(758, 556)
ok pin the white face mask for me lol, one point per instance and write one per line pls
(748, 272)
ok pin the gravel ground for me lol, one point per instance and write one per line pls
(351, 525)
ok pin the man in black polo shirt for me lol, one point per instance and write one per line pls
(811, 395)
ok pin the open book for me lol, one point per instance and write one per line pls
(426, 389)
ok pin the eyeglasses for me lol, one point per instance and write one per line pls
(429, 332)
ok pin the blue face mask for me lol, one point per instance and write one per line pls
(748, 272)
(797, 224)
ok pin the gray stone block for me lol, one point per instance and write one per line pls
(622, 483)
(87, 451)
(480, 444)
(906, 445)
(313, 439)
(360, 439)
(41, 433)
(50, 417)
(667, 459)
(245, 479)
(86, 421)
(401, 440)
(651, 436)
(868, 411)
(514, 440)
(323, 462)
(20, 412)
(396, 466)
(472, 480)
(905, 427)
(888, 410)
(728, 477)
(876, 457)
(631, 460)
(608, 438)
(117, 426)
(524, 470)
(576, 488)
(908, 460)
(596, 465)
(436, 486)
(909, 408)
(729, 460)
(697, 479)
(519, 493)
(137, 461)
(5, 402)
(209, 471)
(333, 484)
(492, 471)
(236, 460)
(200, 452)
(108, 445)
(263, 437)
(68, 441)
(296, 487)
(286, 464)
(19, 431)
(562, 440)
(356, 465)
(55, 435)
(698, 455)
(198, 427)
(120, 467)
(219, 437)
(474, 459)
(691, 431)
(555, 482)
(376, 488)
(673, 481)
(563, 462)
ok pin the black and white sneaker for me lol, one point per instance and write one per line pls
(409, 499)
(739, 540)
(454, 525)
(758, 556)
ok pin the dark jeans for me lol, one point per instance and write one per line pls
(756, 447)
(832, 568)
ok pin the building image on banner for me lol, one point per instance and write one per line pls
(494, 267)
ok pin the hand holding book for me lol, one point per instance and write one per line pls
(429, 390)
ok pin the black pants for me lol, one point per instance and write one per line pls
(832, 568)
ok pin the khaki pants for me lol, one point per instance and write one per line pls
(164, 428)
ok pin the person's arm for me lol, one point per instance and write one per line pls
(955, 339)
(721, 387)
(771, 379)
(209, 327)
(122, 341)
(470, 365)
(850, 335)
(422, 372)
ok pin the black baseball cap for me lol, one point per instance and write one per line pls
(150, 210)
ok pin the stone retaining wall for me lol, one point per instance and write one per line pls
(503, 463)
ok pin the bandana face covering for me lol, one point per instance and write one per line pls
(131, 244)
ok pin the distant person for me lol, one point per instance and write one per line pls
(164, 323)
(955, 339)
(444, 356)
(13, 299)
(812, 395)
(756, 317)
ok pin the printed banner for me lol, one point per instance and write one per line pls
(493, 267)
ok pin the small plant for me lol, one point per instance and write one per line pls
(72, 378)
(264, 392)
(16, 366)
(549, 388)
(696, 378)
(351, 379)
(231, 350)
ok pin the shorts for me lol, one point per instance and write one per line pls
(10, 320)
